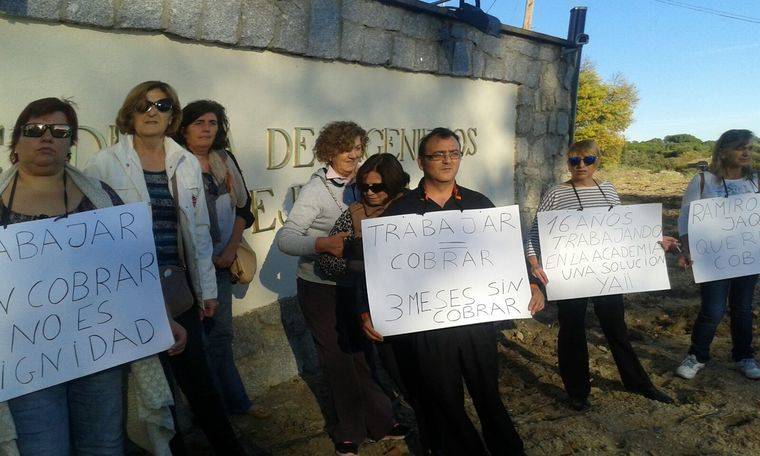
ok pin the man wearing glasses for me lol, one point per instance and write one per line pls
(433, 363)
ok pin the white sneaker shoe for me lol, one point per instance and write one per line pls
(690, 366)
(749, 368)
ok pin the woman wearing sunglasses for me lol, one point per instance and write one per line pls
(147, 165)
(81, 416)
(328, 306)
(730, 173)
(583, 191)
(380, 180)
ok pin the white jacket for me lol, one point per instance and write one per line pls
(119, 166)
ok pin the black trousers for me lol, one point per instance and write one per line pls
(572, 349)
(433, 365)
(362, 408)
(191, 371)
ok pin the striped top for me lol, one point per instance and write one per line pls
(164, 217)
(561, 197)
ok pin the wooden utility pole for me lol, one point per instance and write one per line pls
(528, 21)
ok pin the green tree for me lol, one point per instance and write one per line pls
(682, 138)
(605, 110)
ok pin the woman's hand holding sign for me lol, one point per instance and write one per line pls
(369, 328)
(180, 338)
(684, 260)
(537, 270)
(537, 300)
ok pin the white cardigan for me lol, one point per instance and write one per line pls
(119, 166)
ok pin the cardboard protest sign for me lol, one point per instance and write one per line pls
(601, 251)
(724, 237)
(443, 269)
(79, 295)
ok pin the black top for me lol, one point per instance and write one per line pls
(417, 202)
(244, 212)
(84, 205)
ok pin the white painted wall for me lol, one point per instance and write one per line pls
(261, 91)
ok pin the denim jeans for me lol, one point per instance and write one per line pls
(218, 342)
(82, 416)
(738, 292)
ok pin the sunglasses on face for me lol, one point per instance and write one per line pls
(376, 188)
(36, 130)
(163, 105)
(588, 160)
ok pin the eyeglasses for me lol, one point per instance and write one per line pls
(36, 130)
(163, 105)
(439, 156)
(588, 160)
(376, 188)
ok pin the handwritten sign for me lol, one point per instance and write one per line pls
(444, 269)
(724, 237)
(601, 251)
(79, 295)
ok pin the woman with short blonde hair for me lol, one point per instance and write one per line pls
(579, 192)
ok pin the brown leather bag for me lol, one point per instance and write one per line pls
(178, 295)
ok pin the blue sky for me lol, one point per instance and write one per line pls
(696, 73)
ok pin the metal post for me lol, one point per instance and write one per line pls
(577, 37)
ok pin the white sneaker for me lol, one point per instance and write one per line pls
(690, 366)
(749, 368)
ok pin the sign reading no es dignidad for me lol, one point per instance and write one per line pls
(79, 295)
(444, 269)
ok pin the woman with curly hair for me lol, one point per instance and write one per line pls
(328, 306)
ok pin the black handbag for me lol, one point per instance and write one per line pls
(175, 285)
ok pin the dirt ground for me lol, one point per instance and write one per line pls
(717, 413)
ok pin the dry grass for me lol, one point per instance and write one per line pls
(716, 413)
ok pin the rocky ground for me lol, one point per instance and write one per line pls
(717, 413)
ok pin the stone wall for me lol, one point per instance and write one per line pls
(406, 35)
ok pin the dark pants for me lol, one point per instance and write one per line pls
(388, 362)
(738, 292)
(433, 364)
(361, 406)
(219, 335)
(573, 350)
(384, 349)
(191, 371)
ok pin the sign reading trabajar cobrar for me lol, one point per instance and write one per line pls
(444, 269)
